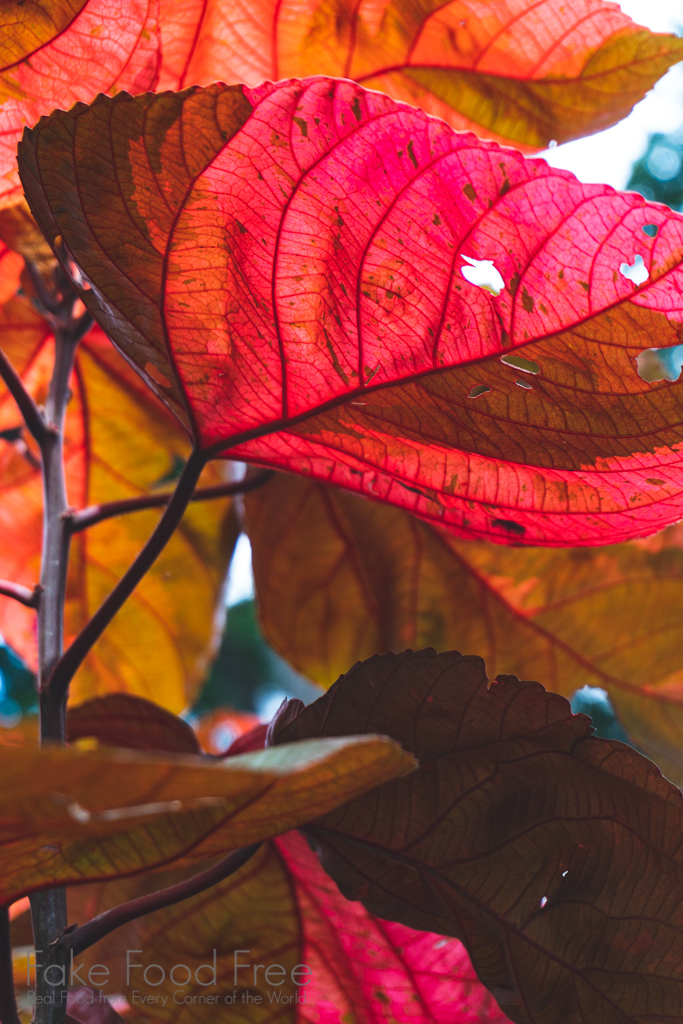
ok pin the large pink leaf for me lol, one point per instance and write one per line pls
(290, 268)
(56, 52)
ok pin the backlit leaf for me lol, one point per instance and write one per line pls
(120, 442)
(68, 816)
(54, 53)
(304, 269)
(286, 912)
(339, 579)
(520, 70)
(554, 856)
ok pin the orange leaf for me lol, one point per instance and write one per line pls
(118, 440)
(54, 53)
(517, 70)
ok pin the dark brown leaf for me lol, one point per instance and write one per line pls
(123, 720)
(554, 856)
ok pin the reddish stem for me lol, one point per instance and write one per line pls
(94, 514)
(86, 935)
(33, 417)
(23, 595)
(71, 660)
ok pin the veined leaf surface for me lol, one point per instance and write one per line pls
(122, 720)
(554, 856)
(339, 578)
(54, 53)
(519, 70)
(68, 816)
(286, 911)
(292, 268)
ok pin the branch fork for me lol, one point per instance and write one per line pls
(57, 667)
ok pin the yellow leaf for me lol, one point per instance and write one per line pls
(70, 816)
(120, 443)
(340, 578)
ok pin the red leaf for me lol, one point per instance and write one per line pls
(301, 294)
(377, 970)
(227, 732)
(54, 53)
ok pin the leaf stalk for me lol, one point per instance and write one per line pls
(69, 663)
(95, 514)
(33, 418)
(25, 596)
(80, 939)
(48, 909)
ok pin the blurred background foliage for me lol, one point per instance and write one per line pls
(247, 676)
(658, 174)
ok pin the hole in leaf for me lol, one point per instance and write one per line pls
(651, 230)
(636, 272)
(552, 144)
(483, 274)
(520, 363)
(524, 384)
(478, 389)
(544, 900)
(660, 363)
(565, 873)
(510, 526)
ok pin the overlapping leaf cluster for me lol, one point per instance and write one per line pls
(437, 339)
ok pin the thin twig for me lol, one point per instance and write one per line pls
(80, 939)
(27, 407)
(68, 664)
(9, 1014)
(23, 595)
(48, 908)
(94, 514)
(48, 302)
